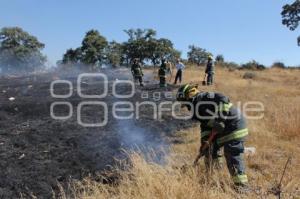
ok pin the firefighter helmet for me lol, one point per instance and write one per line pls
(187, 92)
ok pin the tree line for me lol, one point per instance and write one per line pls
(143, 44)
(22, 52)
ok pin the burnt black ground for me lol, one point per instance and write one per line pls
(38, 152)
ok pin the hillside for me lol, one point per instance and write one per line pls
(275, 137)
(141, 158)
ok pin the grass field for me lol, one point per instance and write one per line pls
(276, 137)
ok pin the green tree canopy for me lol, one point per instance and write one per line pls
(72, 56)
(253, 65)
(91, 52)
(113, 54)
(93, 47)
(291, 16)
(20, 51)
(197, 55)
(161, 48)
(141, 43)
(278, 65)
(220, 59)
(144, 45)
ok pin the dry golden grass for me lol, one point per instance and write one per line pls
(276, 137)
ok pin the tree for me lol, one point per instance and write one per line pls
(253, 65)
(144, 45)
(114, 53)
(161, 48)
(139, 44)
(72, 56)
(172, 55)
(93, 48)
(20, 51)
(197, 55)
(140, 34)
(291, 16)
(278, 65)
(220, 59)
(92, 52)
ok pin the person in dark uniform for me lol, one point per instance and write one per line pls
(222, 125)
(162, 73)
(209, 71)
(137, 72)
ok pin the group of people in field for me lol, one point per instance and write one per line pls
(166, 69)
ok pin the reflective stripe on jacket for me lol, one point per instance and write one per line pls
(236, 135)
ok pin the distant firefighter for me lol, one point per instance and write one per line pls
(137, 72)
(209, 71)
(162, 73)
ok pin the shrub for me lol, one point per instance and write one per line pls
(220, 59)
(278, 65)
(253, 65)
(249, 75)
